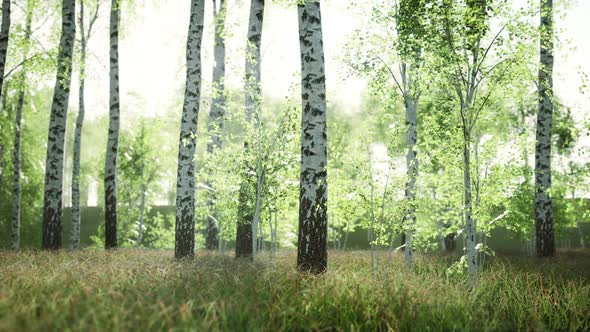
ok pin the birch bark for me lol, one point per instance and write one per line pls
(216, 118)
(4, 36)
(246, 232)
(141, 207)
(75, 230)
(185, 183)
(467, 91)
(312, 254)
(52, 202)
(543, 204)
(16, 190)
(84, 37)
(410, 17)
(110, 177)
(3, 111)
(16, 193)
(412, 172)
(470, 228)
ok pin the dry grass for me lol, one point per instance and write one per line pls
(148, 290)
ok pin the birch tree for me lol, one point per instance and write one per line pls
(216, 117)
(4, 36)
(249, 200)
(110, 177)
(399, 71)
(468, 48)
(465, 89)
(410, 29)
(543, 204)
(16, 193)
(312, 254)
(185, 185)
(52, 203)
(84, 37)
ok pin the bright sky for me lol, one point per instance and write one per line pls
(152, 54)
(152, 51)
(153, 41)
(153, 47)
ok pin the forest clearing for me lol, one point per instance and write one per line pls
(294, 165)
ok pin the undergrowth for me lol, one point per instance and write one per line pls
(140, 290)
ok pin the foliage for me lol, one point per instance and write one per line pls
(32, 162)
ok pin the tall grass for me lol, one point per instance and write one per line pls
(148, 290)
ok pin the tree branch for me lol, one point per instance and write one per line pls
(21, 64)
(485, 54)
(401, 90)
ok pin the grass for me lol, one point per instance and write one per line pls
(139, 290)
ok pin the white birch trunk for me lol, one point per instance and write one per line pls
(216, 118)
(84, 37)
(75, 230)
(16, 195)
(4, 36)
(312, 254)
(185, 183)
(110, 177)
(372, 225)
(471, 232)
(412, 172)
(16, 191)
(2, 147)
(141, 206)
(52, 202)
(247, 221)
(543, 204)
(259, 182)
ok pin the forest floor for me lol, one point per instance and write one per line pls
(144, 290)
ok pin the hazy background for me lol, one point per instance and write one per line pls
(152, 52)
(153, 41)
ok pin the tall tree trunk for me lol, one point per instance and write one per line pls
(346, 232)
(142, 205)
(246, 225)
(439, 226)
(441, 237)
(4, 36)
(185, 183)
(409, 17)
(481, 239)
(543, 204)
(3, 113)
(110, 177)
(84, 36)
(52, 202)
(75, 230)
(372, 214)
(312, 254)
(216, 114)
(16, 193)
(412, 172)
(259, 183)
(581, 234)
(470, 228)
(403, 241)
